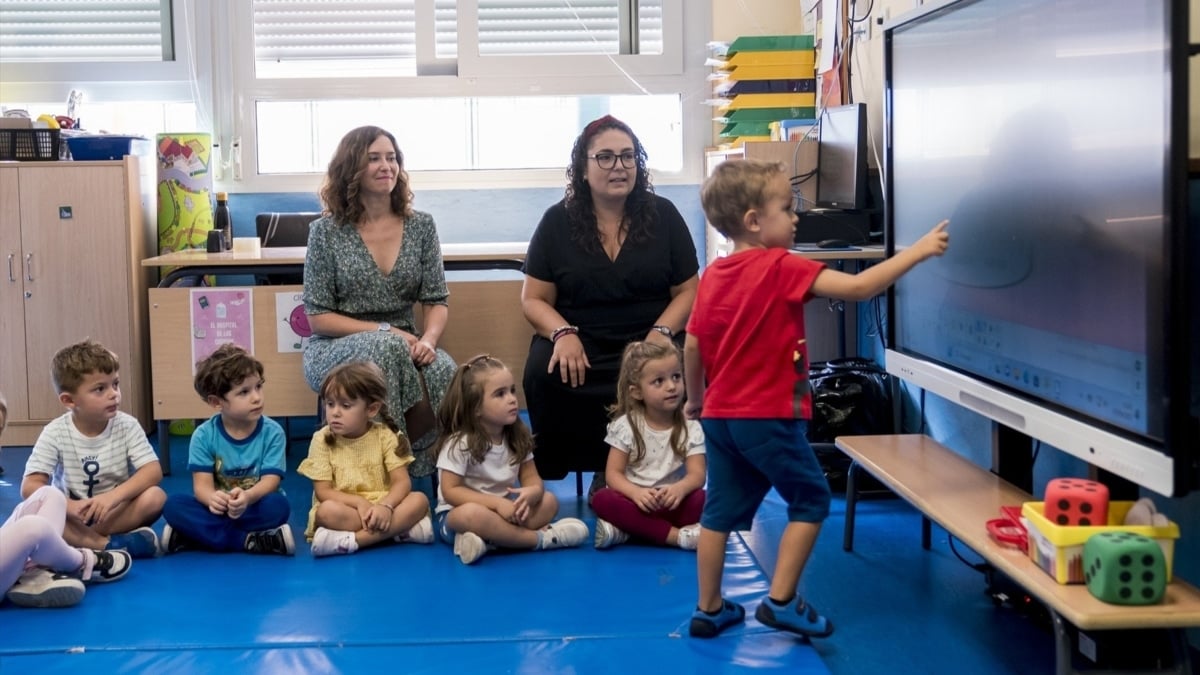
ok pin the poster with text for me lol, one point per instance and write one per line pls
(220, 316)
(291, 323)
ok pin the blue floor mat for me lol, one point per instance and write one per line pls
(577, 610)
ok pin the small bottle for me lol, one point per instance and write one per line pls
(223, 221)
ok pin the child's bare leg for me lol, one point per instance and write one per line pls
(338, 516)
(81, 536)
(407, 513)
(710, 565)
(794, 548)
(488, 524)
(544, 513)
(141, 511)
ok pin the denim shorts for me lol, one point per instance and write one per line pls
(747, 457)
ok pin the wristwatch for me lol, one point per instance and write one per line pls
(385, 327)
(665, 330)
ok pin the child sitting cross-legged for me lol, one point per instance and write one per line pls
(656, 461)
(237, 464)
(362, 494)
(98, 456)
(490, 494)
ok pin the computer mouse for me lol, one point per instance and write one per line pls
(833, 243)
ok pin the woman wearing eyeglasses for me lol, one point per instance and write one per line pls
(610, 263)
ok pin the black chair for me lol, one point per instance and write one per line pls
(283, 229)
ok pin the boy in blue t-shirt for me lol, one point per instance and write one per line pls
(237, 464)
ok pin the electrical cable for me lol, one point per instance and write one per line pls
(981, 567)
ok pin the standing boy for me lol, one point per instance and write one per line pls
(237, 464)
(98, 456)
(746, 340)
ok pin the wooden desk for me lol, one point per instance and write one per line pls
(494, 304)
(961, 496)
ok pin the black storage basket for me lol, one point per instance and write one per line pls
(29, 145)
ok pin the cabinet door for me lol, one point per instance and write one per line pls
(13, 375)
(74, 228)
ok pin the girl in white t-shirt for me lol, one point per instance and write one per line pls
(656, 465)
(489, 492)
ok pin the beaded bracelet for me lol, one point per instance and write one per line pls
(563, 330)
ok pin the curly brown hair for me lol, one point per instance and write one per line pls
(457, 413)
(362, 381)
(73, 363)
(640, 213)
(343, 179)
(223, 369)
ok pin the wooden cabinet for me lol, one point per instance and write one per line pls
(72, 238)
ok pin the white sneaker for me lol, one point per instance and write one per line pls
(333, 542)
(44, 588)
(421, 533)
(608, 535)
(469, 547)
(689, 536)
(563, 533)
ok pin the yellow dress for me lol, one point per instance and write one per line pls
(358, 466)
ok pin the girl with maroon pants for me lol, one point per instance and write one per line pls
(656, 465)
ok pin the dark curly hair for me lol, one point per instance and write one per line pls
(640, 213)
(343, 179)
(223, 369)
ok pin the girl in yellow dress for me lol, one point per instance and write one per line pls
(358, 462)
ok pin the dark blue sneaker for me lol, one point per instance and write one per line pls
(707, 625)
(795, 617)
(139, 543)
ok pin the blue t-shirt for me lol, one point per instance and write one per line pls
(238, 463)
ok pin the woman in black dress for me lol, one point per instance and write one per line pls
(610, 263)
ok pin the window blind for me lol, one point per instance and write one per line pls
(384, 31)
(85, 30)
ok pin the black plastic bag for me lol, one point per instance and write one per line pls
(851, 396)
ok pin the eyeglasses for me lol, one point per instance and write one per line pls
(608, 160)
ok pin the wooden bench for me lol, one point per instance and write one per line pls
(961, 497)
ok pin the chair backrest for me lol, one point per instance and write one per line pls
(283, 229)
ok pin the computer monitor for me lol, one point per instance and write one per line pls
(842, 158)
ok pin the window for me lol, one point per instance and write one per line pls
(497, 89)
(111, 50)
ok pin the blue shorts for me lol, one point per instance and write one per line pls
(746, 458)
(444, 533)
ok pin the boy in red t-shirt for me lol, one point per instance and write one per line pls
(746, 340)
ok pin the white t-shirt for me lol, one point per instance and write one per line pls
(86, 467)
(659, 466)
(493, 476)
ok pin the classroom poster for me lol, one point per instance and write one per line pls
(220, 316)
(291, 323)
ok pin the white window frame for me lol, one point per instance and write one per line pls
(111, 81)
(682, 72)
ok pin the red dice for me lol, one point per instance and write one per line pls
(1075, 501)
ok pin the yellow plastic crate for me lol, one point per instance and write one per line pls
(742, 101)
(806, 58)
(787, 72)
(1058, 549)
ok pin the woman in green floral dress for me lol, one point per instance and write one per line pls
(370, 258)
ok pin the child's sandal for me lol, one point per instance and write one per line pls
(707, 625)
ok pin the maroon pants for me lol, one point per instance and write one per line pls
(654, 527)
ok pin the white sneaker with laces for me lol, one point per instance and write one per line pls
(333, 542)
(608, 534)
(421, 533)
(45, 588)
(689, 537)
(563, 533)
(469, 547)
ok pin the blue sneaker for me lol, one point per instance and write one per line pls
(795, 617)
(139, 543)
(707, 625)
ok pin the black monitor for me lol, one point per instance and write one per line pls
(1053, 134)
(842, 158)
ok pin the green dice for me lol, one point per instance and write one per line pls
(1123, 568)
